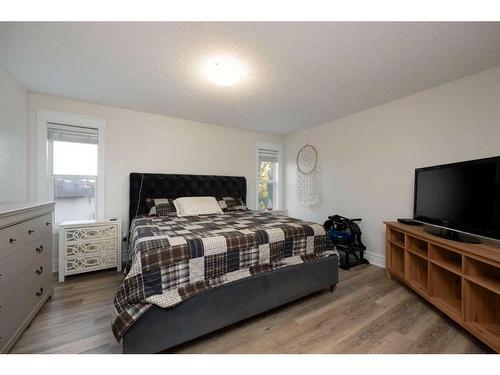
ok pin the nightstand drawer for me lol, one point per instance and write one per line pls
(90, 233)
(90, 263)
(88, 248)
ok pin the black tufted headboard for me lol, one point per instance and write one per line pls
(154, 185)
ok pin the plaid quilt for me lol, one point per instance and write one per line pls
(173, 258)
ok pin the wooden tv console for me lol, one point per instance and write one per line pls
(460, 279)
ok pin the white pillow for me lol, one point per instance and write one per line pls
(189, 206)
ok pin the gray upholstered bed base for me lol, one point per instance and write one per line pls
(160, 329)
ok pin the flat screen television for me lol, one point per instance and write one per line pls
(460, 197)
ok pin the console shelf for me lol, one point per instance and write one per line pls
(448, 259)
(417, 246)
(398, 243)
(418, 271)
(482, 310)
(446, 290)
(460, 279)
(397, 238)
(485, 282)
(417, 253)
(397, 259)
(481, 273)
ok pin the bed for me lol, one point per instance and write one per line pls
(189, 276)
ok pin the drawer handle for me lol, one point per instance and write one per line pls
(12, 240)
(48, 223)
(39, 293)
(39, 271)
(31, 231)
(39, 249)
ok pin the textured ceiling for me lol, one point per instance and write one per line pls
(301, 74)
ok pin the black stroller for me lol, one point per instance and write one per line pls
(346, 235)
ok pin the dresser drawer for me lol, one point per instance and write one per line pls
(11, 313)
(36, 282)
(16, 263)
(41, 226)
(19, 235)
(21, 297)
(89, 233)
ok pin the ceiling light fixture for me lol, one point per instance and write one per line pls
(225, 70)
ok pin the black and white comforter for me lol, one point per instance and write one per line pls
(173, 258)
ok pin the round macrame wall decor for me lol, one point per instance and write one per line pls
(307, 176)
(307, 159)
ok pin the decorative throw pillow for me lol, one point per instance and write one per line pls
(190, 206)
(161, 206)
(228, 204)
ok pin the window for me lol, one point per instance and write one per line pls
(73, 171)
(268, 171)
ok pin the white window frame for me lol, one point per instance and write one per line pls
(44, 157)
(277, 180)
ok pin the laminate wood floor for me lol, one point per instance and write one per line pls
(368, 313)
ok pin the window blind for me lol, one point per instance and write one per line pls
(268, 155)
(70, 133)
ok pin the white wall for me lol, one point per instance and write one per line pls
(13, 139)
(367, 160)
(144, 142)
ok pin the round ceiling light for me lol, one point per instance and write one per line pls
(225, 70)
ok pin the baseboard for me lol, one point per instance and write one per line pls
(375, 259)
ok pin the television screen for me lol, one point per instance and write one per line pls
(461, 196)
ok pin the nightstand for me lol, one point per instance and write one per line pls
(89, 245)
(278, 212)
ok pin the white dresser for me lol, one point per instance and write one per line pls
(25, 266)
(89, 245)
